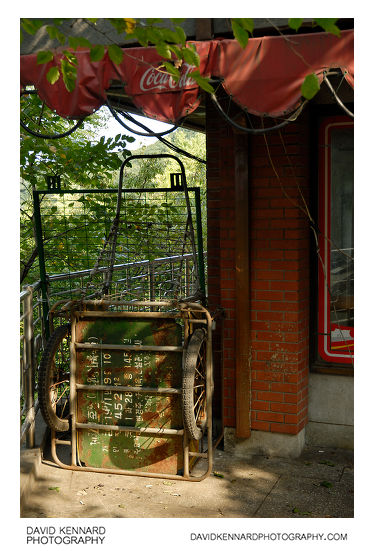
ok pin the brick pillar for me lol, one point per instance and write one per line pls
(280, 281)
(278, 350)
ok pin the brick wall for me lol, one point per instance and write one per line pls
(279, 272)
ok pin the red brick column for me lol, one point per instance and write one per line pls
(278, 351)
(280, 281)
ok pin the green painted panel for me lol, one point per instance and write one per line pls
(128, 450)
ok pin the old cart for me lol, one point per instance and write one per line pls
(126, 377)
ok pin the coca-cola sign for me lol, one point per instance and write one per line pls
(154, 79)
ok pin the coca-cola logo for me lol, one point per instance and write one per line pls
(154, 79)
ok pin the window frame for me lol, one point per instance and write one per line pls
(324, 223)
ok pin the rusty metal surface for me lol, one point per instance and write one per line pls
(143, 369)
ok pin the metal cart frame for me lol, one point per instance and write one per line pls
(192, 315)
(190, 312)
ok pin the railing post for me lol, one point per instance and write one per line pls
(200, 244)
(151, 278)
(29, 367)
(43, 274)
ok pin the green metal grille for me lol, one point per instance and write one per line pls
(73, 227)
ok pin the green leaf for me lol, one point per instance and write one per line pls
(203, 82)
(240, 34)
(297, 511)
(181, 35)
(69, 74)
(310, 86)
(76, 41)
(172, 70)
(164, 50)
(191, 57)
(73, 42)
(55, 34)
(153, 20)
(118, 24)
(154, 35)
(328, 25)
(97, 52)
(177, 20)
(53, 75)
(327, 462)
(169, 35)
(176, 50)
(141, 35)
(72, 58)
(326, 484)
(31, 26)
(115, 53)
(247, 24)
(44, 57)
(295, 23)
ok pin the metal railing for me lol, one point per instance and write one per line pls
(31, 344)
(151, 275)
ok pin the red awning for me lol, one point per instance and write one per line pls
(265, 77)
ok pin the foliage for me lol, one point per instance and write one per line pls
(327, 24)
(241, 29)
(74, 226)
(81, 160)
(310, 86)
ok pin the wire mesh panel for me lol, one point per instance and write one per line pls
(152, 252)
(71, 231)
(153, 224)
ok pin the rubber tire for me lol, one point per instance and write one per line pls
(197, 339)
(45, 373)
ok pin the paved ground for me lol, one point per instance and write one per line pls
(318, 484)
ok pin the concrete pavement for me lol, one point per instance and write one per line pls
(318, 484)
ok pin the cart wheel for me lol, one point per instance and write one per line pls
(53, 388)
(194, 385)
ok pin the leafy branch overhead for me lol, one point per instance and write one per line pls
(170, 43)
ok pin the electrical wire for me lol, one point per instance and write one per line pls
(337, 99)
(149, 134)
(256, 131)
(47, 136)
(52, 136)
(170, 145)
